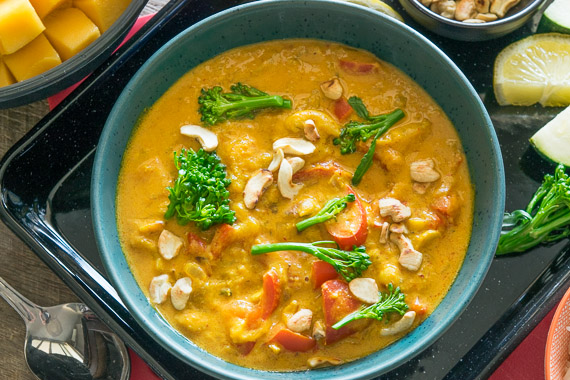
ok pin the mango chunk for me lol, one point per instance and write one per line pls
(6, 77)
(58, 27)
(33, 59)
(102, 12)
(19, 25)
(45, 7)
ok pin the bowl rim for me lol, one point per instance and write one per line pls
(550, 336)
(74, 69)
(523, 13)
(194, 354)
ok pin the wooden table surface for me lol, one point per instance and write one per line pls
(19, 265)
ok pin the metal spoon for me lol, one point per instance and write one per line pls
(68, 341)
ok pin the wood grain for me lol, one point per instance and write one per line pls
(19, 265)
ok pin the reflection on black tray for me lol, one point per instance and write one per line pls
(45, 182)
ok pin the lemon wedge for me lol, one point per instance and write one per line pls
(553, 140)
(379, 6)
(533, 70)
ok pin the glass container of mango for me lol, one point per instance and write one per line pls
(48, 45)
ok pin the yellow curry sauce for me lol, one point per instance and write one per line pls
(227, 280)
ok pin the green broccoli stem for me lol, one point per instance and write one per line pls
(331, 209)
(546, 218)
(252, 104)
(392, 302)
(349, 264)
(383, 126)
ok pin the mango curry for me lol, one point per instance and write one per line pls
(300, 263)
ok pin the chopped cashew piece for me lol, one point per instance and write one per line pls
(423, 171)
(285, 181)
(158, 290)
(401, 325)
(483, 6)
(501, 7)
(394, 208)
(291, 145)
(398, 228)
(487, 16)
(180, 293)
(332, 89)
(207, 138)
(444, 8)
(364, 289)
(277, 158)
(296, 163)
(256, 186)
(384, 232)
(300, 321)
(465, 9)
(409, 257)
(319, 330)
(169, 244)
(310, 130)
(317, 361)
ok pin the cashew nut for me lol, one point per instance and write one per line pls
(300, 321)
(394, 208)
(310, 130)
(332, 89)
(285, 181)
(319, 330)
(465, 9)
(277, 158)
(401, 325)
(364, 289)
(169, 244)
(384, 232)
(207, 138)
(296, 163)
(180, 293)
(291, 145)
(256, 186)
(501, 7)
(322, 120)
(317, 361)
(158, 289)
(409, 257)
(423, 171)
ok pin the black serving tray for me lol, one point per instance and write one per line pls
(45, 188)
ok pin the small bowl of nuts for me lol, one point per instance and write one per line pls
(471, 20)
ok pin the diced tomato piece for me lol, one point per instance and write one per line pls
(338, 302)
(358, 68)
(350, 227)
(342, 109)
(321, 272)
(271, 293)
(196, 245)
(222, 239)
(245, 348)
(293, 341)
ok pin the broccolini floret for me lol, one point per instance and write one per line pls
(331, 209)
(391, 302)
(200, 193)
(242, 103)
(354, 131)
(349, 264)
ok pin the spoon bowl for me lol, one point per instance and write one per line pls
(68, 341)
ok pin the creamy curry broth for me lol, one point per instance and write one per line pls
(439, 226)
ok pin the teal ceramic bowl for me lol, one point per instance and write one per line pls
(335, 21)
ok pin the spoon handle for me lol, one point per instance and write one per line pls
(28, 310)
